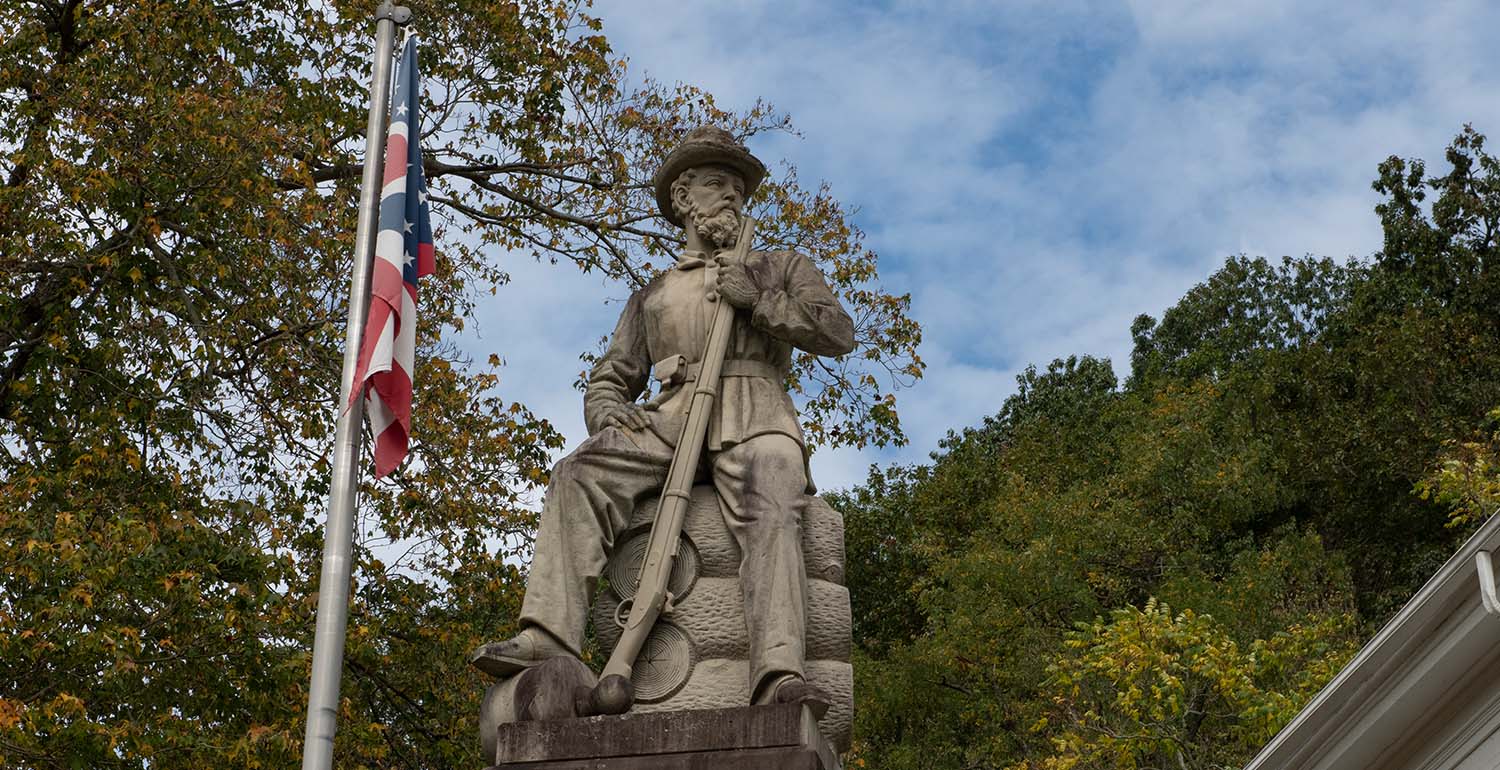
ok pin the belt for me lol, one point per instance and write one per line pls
(674, 371)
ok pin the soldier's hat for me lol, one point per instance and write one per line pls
(706, 145)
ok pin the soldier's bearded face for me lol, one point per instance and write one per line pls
(714, 200)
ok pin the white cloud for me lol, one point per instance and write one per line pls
(540, 322)
(1037, 174)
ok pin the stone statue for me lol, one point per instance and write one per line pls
(755, 452)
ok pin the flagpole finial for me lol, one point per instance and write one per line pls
(397, 13)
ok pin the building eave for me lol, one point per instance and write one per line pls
(1401, 680)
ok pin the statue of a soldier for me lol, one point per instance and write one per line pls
(755, 451)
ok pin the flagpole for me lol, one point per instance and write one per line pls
(338, 533)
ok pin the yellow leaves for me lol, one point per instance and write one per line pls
(82, 595)
(1465, 476)
(65, 705)
(1126, 687)
(177, 578)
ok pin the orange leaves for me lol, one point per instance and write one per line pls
(10, 713)
(65, 705)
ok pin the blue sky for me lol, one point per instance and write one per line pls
(1036, 174)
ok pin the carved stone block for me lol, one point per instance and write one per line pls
(783, 737)
(699, 653)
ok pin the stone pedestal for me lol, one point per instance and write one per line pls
(782, 737)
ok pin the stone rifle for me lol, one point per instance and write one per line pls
(614, 694)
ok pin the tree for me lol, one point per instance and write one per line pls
(1150, 689)
(1465, 476)
(1298, 448)
(176, 220)
(1249, 305)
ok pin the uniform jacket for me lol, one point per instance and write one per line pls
(670, 317)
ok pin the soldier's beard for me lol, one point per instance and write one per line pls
(721, 228)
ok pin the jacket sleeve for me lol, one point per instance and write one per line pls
(621, 374)
(797, 306)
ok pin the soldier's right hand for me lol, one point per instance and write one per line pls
(627, 417)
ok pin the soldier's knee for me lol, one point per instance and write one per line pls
(574, 462)
(778, 467)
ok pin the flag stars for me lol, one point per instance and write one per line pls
(404, 246)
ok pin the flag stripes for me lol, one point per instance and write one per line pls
(403, 254)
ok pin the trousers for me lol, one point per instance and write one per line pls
(761, 483)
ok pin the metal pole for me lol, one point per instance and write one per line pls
(338, 533)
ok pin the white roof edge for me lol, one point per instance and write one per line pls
(1376, 665)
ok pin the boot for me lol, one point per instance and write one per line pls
(522, 651)
(795, 689)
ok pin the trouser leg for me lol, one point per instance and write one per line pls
(762, 483)
(588, 502)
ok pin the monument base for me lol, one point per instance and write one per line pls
(780, 737)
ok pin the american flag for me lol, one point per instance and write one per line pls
(403, 253)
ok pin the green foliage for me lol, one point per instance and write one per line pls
(1249, 305)
(1465, 478)
(885, 534)
(178, 182)
(1279, 468)
(1151, 689)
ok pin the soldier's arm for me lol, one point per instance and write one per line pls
(800, 308)
(620, 375)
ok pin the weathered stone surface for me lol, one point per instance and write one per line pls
(764, 304)
(744, 759)
(551, 690)
(723, 683)
(829, 622)
(744, 737)
(718, 556)
(497, 707)
(823, 541)
(713, 616)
